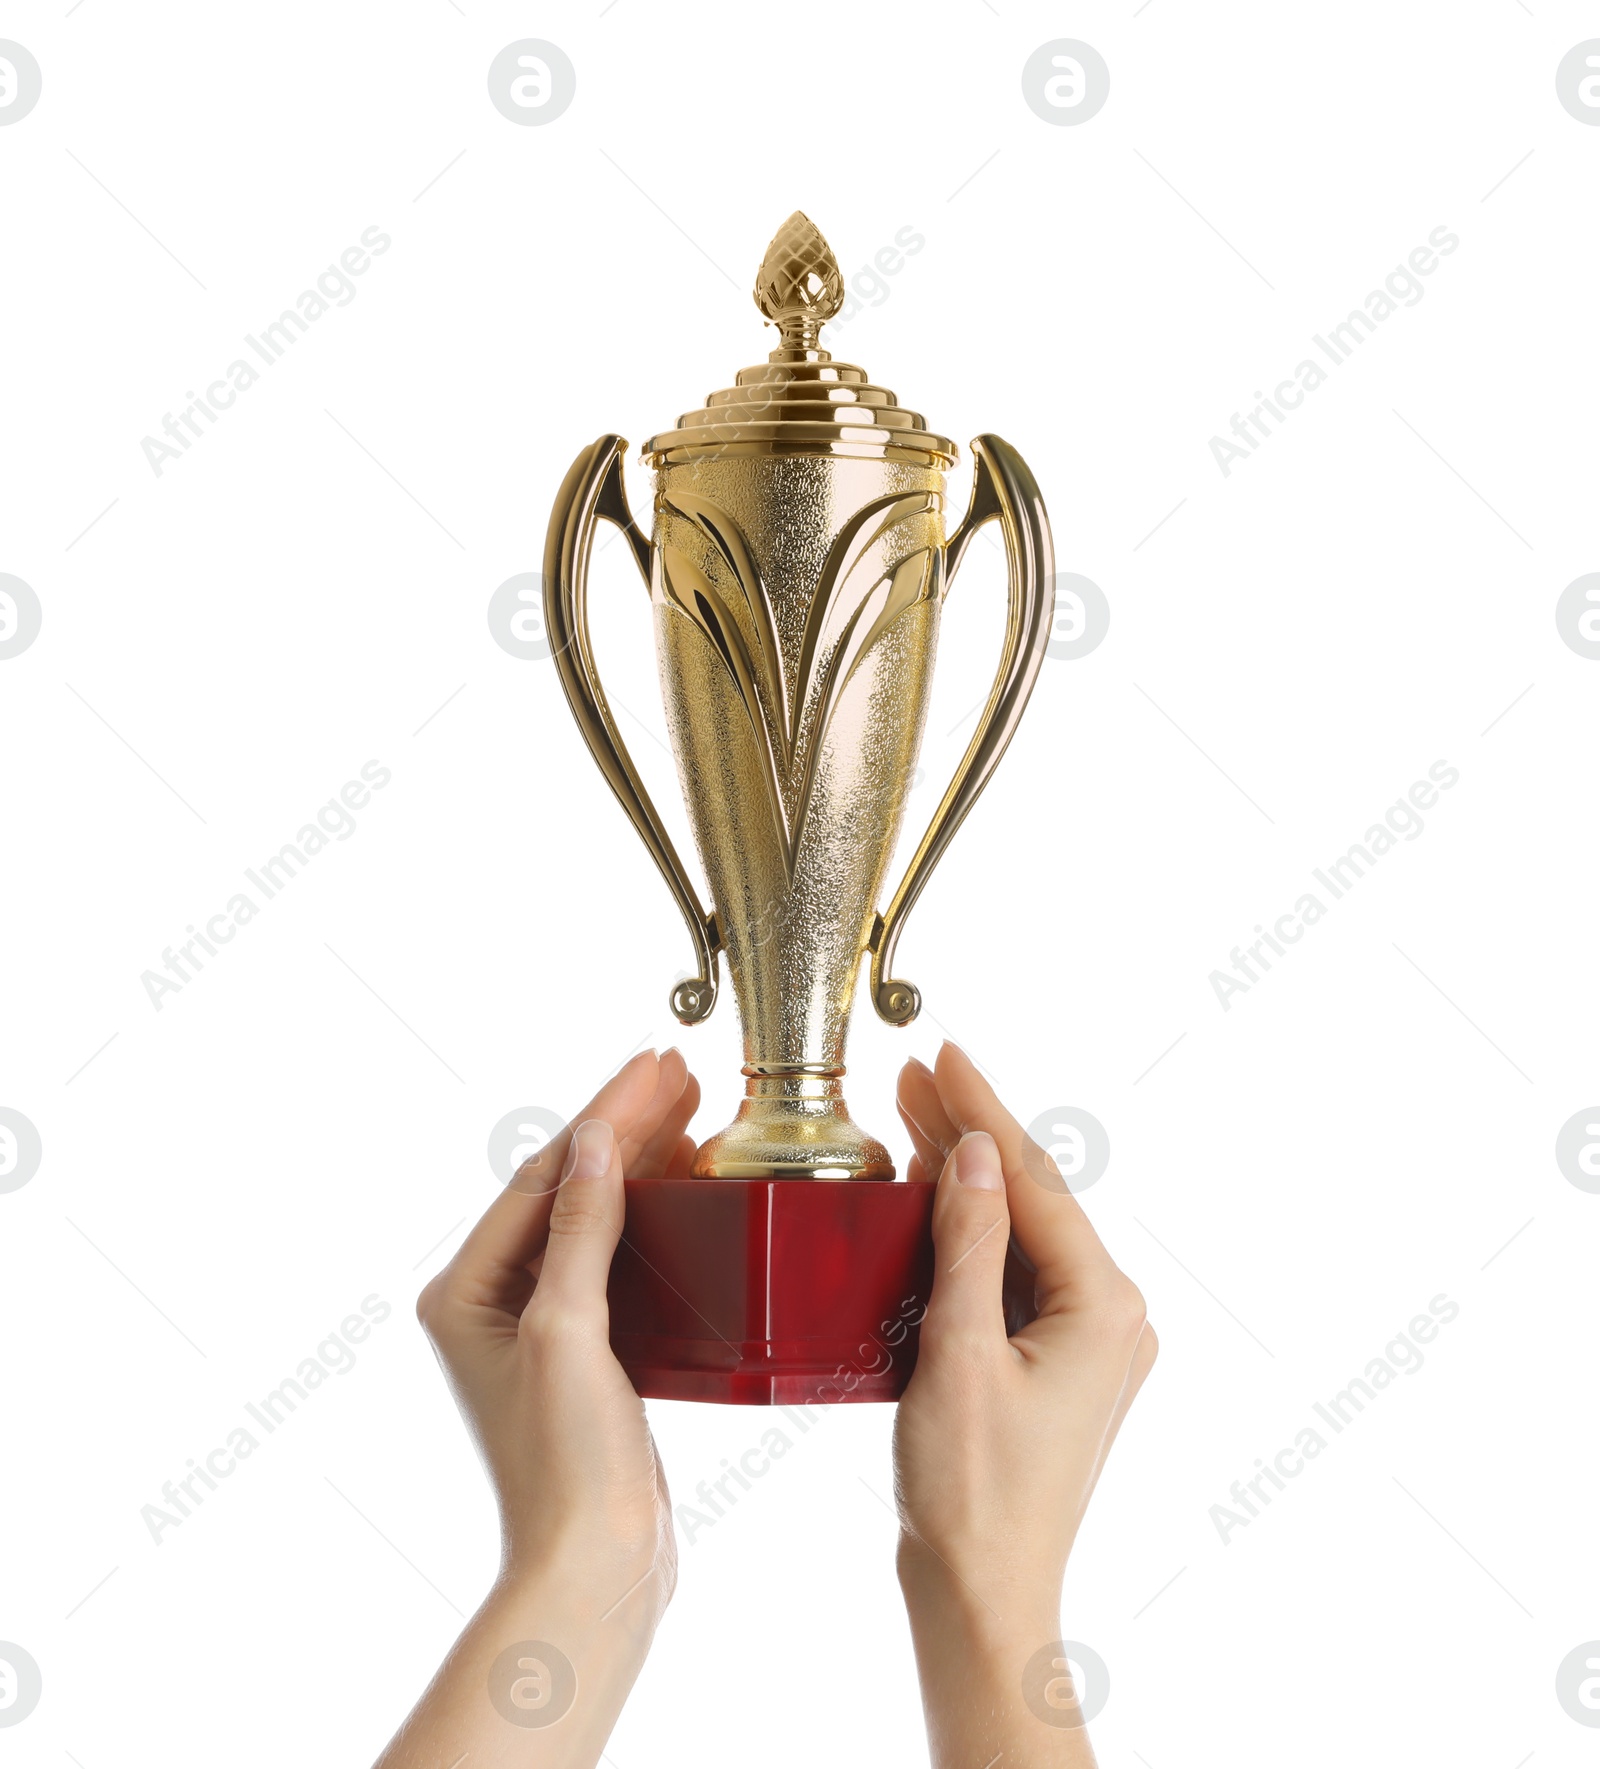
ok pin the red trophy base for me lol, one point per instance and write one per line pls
(778, 1292)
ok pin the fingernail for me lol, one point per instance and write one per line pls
(978, 1162)
(589, 1157)
(916, 1062)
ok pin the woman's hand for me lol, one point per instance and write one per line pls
(999, 1442)
(519, 1321)
(520, 1324)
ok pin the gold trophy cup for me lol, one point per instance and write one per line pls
(797, 566)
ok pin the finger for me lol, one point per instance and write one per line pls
(970, 1224)
(490, 1265)
(926, 1159)
(585, 1223)
(671, 1079)
(917, 1096)
(659, 1148)
(1073, 1268)
(681, 1159)
(632, 1116)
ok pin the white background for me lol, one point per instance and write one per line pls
(1291, 646)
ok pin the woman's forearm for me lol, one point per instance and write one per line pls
(537, 1678)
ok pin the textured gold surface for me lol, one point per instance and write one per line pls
(797, 566)
(797, 613)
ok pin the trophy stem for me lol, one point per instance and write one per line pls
(793, 1123)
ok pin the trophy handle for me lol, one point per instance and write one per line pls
(592, 491)
(1003, 489)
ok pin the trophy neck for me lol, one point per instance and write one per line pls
(793, 1125)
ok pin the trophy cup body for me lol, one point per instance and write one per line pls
(797, 565)
(796, 761)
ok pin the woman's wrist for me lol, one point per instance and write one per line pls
(600, 1558)
(605, 1604)
(995, 1602)
(537, 1678)
(557, 1653)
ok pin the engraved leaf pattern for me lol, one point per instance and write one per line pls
(860, 594)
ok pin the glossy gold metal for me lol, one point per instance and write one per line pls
(797, 567)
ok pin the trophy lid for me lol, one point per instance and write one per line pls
(800, 401)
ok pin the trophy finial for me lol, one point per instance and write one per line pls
(800, 401)
(798, 287)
